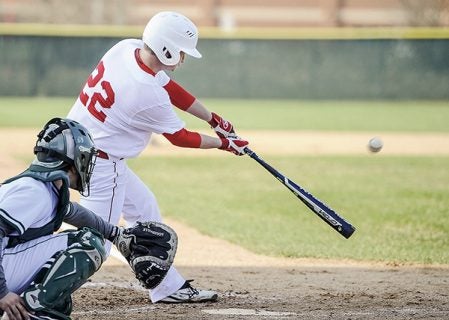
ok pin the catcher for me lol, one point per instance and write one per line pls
(40, 269)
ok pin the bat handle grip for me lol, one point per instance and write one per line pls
(250, 152)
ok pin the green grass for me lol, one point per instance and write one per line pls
(400, 205)
(32, 112)
(333, 115)
(413, 116)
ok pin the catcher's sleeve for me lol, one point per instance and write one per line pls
(80, 216)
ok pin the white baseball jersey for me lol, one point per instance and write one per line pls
(122, 104)
(23, 212)
(27, 203)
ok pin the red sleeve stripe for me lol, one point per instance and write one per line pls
(184, 138)
(180, 97)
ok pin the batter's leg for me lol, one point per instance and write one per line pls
(141, 205)
(107, 191)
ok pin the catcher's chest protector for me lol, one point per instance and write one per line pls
(61, 211)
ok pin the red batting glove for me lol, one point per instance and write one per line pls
(234, 145)
(222, 127)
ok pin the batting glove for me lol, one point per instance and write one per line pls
(235, 145)
(222, 127)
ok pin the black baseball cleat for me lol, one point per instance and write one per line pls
(189, 294)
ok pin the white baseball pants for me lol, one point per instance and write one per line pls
(116, 191)
(22, 262)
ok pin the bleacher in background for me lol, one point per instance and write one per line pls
(233, 13)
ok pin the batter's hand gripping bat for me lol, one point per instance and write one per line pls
(319, 208)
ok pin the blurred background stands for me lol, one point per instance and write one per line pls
(233, 13)
(261, 49)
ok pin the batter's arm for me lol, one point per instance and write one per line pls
(189, 139)
(185, 101)
(200, 111)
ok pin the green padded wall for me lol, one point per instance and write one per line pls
(243, 68)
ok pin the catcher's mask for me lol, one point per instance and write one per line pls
(63, 143)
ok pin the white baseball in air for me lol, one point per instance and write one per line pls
(375, 144)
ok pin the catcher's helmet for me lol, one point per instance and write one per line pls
(170, 33)
(63, 143)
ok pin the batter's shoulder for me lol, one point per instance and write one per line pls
(129, 43)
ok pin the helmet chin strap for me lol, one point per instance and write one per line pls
(50, 135)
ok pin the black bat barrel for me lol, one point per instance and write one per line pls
(322, 210)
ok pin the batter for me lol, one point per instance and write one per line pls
(126, 99)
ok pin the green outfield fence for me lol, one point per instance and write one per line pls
(324, 63)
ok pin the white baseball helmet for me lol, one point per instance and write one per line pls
(170, 33)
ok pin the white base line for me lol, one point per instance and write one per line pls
(123, 285)
(254, 312)
(279, 315)
(312, 314)
(119, 310)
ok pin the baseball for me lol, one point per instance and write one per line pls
(375, 144)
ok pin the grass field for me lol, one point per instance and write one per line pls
(400, 205)
(408, 116)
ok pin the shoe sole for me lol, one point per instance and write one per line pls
(174, 300)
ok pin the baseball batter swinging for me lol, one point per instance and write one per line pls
(126, 99)
(39, 269)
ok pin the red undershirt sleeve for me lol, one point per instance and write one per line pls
(184, 138)
(179, 97)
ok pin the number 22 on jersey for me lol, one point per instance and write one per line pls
(96, 97)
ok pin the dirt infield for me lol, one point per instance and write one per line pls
(258, 287)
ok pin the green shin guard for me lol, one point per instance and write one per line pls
(50, 293)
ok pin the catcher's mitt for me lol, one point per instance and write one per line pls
(149, 248)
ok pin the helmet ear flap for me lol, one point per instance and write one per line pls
(170, 53)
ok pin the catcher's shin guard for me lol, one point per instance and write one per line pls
(65, 272)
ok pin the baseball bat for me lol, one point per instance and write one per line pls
(321, 209)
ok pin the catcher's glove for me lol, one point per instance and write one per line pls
(149, 248)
